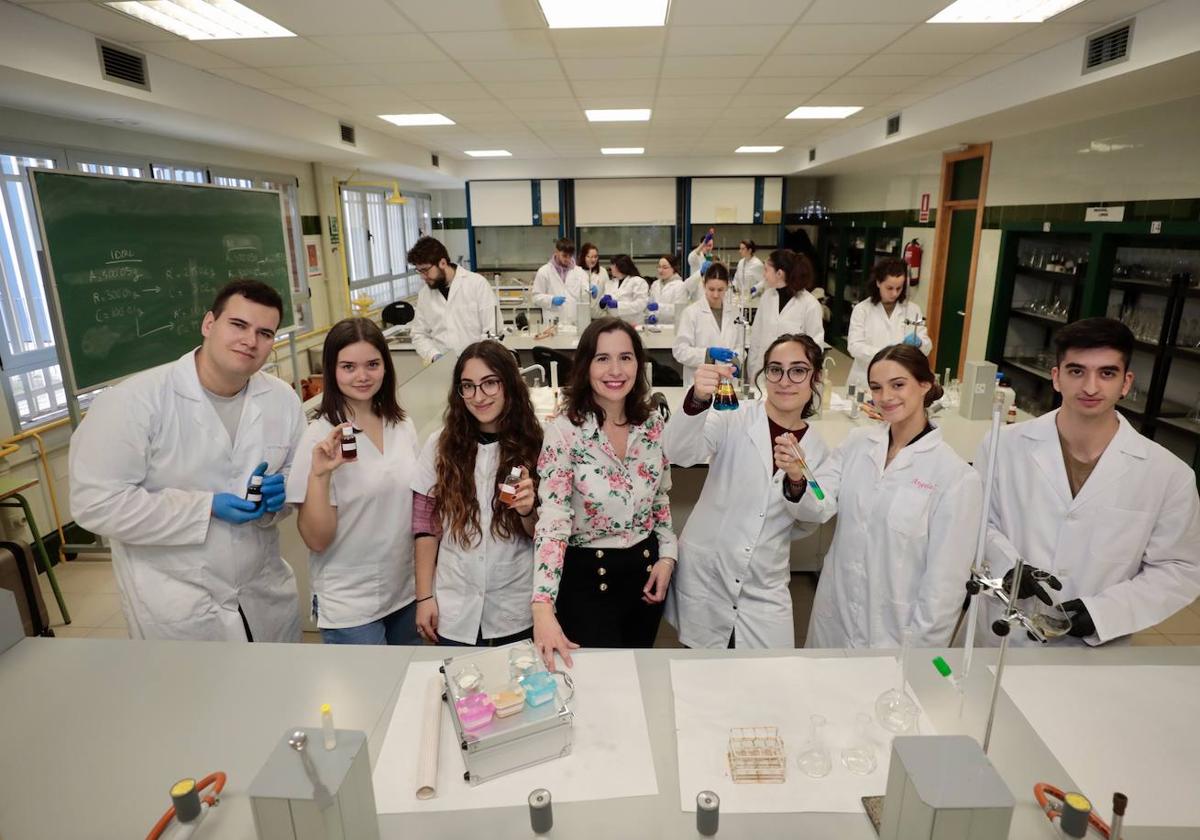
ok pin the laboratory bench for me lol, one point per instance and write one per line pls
(95, 732)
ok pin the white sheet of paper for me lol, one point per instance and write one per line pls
(1119, 728)
(610, 757)
(713, 696)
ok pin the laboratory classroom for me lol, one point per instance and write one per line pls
(595, 419)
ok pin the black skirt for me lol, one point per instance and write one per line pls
(600, 596)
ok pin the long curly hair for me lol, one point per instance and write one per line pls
(456, 502)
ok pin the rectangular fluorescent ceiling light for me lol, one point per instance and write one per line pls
(824, 112)
(203, 20)
(489, 153)
(1002, 11)
(623, 150)
(757, 150)
(577, 14)
(417, 119)
(618, 115)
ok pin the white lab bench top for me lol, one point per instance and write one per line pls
(662, 339)
(94, 732)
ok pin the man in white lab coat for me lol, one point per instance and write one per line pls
(457, 307)
(560, 286)
(1113, 516)
(161, 463)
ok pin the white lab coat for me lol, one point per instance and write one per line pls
(734, 553)
(548, 284)
(902, 551)
(698, 330)
(631, 295)
(1128, 545)
(366, 572)
(671, 297)
(749, 274)
(145, 464)
(481, 588)
(448, 324)
(871, 329)
(696, 259)
(801, 314)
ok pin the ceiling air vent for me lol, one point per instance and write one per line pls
(434, 160)
(893, 125)
(348, 135)
(1107, 47)
(122, 66)
(812, 154)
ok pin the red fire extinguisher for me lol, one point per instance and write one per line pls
(912, 256)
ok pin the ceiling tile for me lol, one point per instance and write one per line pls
(314, 17)
(673, 87)
(863, 100)
(798, 86)
(250, 77)
(697, 102)
(982, 64)
(380, 99)
(536, 69)
(699, 67)
(902, 100)
(102, 21)
(1100, 12)
(873, 11)
(872, 84)
(418, 71)
(886, 64)
(526, 90)
(930, 38)
(543, 105)
(473, 107)
(840, 38)
(639, 88)
(457, 15)
(640, 42)
(605, 68)
(724, 13)
(722, 40)
(810, 65)
(275, 52)
(324, 75)
(503, 44)
(436, 93)
(188, 53)
(307, 97)
(936, 84)
(391, 48)
(1045, 36)
(600, 102)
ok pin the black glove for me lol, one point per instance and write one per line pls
(1081, 620)
(1031, 587)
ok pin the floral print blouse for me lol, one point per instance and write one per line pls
(591, 497)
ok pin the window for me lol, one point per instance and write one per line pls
(230, 181)
(182, 174)
(110, 169)
(378, 236)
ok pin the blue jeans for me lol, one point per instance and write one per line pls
(482, 642)
(399, 628)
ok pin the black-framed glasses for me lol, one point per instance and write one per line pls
(424, 272)
(796, 374)
(490, 387)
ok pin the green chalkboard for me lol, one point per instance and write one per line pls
(134, 265)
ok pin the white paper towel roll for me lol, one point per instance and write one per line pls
(431, 727)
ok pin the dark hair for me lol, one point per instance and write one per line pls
(882, 270)
(913, 361)
(624, 264)
(672, 260)
(1090, 333)
(565, 246)
(583, 252)
(333, 403)
(750, 246)
(455, 497)
(580, 400)
(254, 291)
(796, 268)
(816, 357)
(718, 271)
(428, 251)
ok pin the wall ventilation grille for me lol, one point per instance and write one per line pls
(812, 154)
(1108, 47)
(434, 160)
(893, 125)
(122, 66)
(348, 134)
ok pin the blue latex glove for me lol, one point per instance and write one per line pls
(651, 319)
(608, 302)
(274, 490)
(912, 340)
(558, 300)
(235, 509)
(595, 291)
(753, 291)
(720, 354)
(652, 306)
(704, 267)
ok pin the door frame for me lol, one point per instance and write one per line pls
(941, 238)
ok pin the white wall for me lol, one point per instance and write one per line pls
(722, 201)
(624, 201)
(501, 203)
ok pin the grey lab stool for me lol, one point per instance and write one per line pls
(11, 490)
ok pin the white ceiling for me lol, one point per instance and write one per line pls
(719, 75)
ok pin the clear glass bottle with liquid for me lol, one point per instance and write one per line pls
(726, 398)
(349, 444)
(508, 488)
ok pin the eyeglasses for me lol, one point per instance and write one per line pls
(797, 375)
(424, 272)
(489, 387)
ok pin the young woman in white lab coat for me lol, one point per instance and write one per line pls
(701, 254)
(597, 275)
(355, 515)
(749, 276)
(908, 517)
(626, 294)
(731, 589)
(786, 307)
(667, 294)
(709, 322)
(474, 549)
(886, 317)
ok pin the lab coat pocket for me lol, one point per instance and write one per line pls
(276, 456)
(1119, 537)
(908, 513)
(699, 571)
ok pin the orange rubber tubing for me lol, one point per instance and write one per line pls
(217, 780)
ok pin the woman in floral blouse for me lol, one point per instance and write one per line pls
(604, 550)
